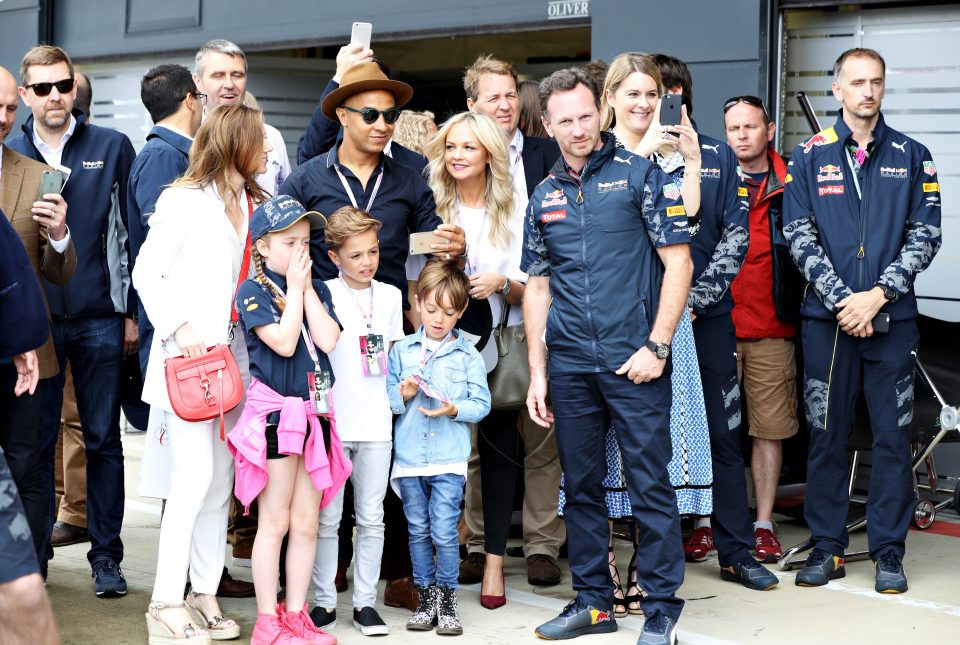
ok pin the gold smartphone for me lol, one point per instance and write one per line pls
(420, 242)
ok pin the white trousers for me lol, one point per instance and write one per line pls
(193, 531)
(371, 473)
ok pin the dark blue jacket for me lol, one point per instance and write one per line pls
(596, 239)
(162, 159)
(99, 160)
(322, 134)
(404, 205)
(23, 316)
(721, 230)
(538, 157)
(844, 243)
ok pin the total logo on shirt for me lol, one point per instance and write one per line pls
(830, 190)
(553, 216)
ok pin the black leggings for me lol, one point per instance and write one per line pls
(498, 446)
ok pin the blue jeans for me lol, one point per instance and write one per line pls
(94, 347)
(432, 507)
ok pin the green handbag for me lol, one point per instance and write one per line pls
(510, 380)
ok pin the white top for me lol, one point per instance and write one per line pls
(484, 257)
(51, 156)
(516, 168)
(278, 163)
(361, 404)
(187, 271)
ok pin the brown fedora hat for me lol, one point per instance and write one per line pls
(364, 77)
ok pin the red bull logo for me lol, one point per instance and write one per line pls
(821, 138)
(599, 616)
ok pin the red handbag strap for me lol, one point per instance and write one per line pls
(222, 423)
(244, 266)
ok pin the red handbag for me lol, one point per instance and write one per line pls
(205, 387)
(209, 386)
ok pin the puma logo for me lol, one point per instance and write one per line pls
(626, 161)
(902, 147)
(716, 149)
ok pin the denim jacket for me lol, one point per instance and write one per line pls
(459, 372)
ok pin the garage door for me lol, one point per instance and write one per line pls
(922, 100)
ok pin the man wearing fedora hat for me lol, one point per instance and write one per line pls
(322, 132)
(356, 172)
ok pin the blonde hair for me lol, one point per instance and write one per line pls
(623, 66)
(411, 129)
(43, 55)
(251, 101)
(485, 65)
(346, 222)
(257, 259)
(499, 197)
(446, 281)
(230, 137)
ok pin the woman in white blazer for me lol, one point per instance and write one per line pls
(186, 275)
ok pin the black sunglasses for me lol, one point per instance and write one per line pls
(749, 100)
(370, 115)
(44, 89)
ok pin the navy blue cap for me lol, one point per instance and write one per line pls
(280, 213)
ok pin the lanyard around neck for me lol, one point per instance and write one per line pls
(367, 316)
(424, 359)
(353, 199)
(311, 348)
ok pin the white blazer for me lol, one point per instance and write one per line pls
(187, 272)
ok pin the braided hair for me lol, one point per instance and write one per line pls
(278, 300)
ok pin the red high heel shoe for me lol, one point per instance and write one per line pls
(494, 602)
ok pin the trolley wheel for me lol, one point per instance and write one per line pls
(924, 514)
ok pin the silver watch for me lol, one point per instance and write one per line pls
(505, 290)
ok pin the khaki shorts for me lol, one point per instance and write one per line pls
(768, 371)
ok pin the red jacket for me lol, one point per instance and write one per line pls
(755, 311)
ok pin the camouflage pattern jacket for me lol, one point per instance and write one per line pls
(850, 231)
(720, 231)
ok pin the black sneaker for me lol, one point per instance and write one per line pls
(658, 630)
(368, 621)
(323, 619)
(820, 568)
(576, 619)
(890, 575)
(108, 580)
(751, 574)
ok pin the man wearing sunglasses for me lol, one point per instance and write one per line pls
(720, 238)
(92, 326)
(766, 296)
(357, 172)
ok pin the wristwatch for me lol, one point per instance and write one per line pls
(889, 294)
(660, 350)
(505, 290)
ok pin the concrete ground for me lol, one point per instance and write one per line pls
(717, 612)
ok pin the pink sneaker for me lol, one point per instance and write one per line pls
(269, 631)
(301, 627)
(698, 544)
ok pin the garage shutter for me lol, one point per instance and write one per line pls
(922, 100)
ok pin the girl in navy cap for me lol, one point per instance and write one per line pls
(285, 445)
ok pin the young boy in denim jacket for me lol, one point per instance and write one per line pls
(437, 383)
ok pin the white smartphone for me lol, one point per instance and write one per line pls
(361, 33)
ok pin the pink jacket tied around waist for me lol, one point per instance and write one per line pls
(329, 469)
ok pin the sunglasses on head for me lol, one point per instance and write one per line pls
(370, 115)
(749, 100)
(44, 89)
